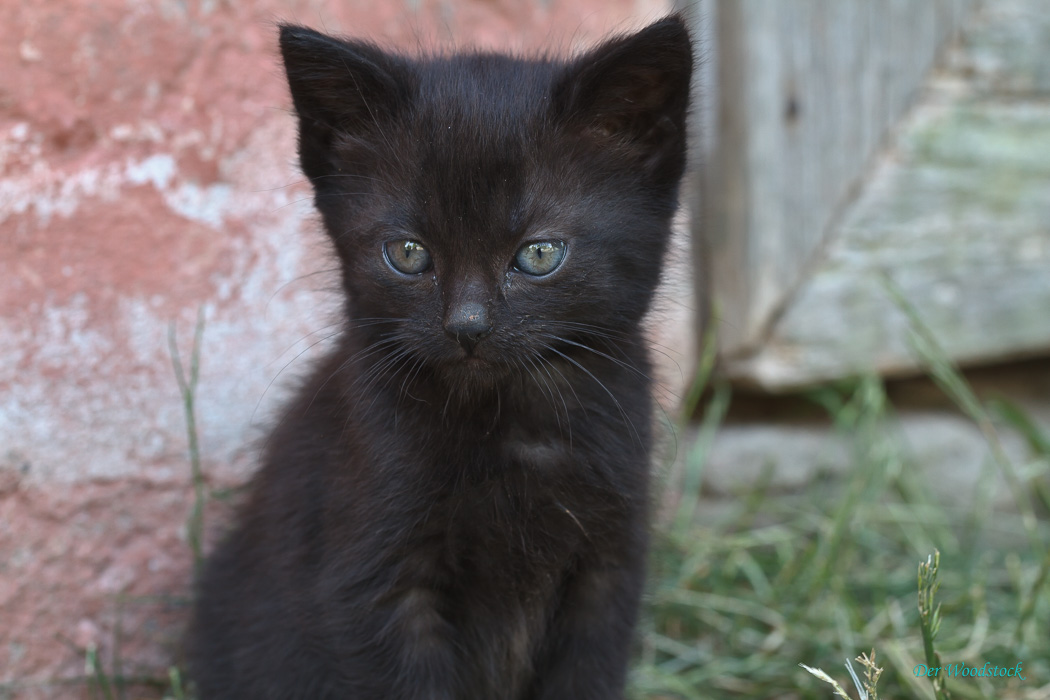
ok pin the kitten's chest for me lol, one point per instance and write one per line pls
(497, 533)
(511, 544)
(522, 510)
(515, 531)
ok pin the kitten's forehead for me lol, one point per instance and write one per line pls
(479, 125)
(491, 93)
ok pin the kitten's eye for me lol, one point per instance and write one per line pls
(409, 257)
(540, 258)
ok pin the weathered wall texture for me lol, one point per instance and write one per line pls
(147, 171)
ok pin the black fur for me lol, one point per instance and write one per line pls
(451, 520)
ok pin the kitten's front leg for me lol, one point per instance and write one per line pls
(592, 636)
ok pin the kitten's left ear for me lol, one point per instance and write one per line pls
(633, 92)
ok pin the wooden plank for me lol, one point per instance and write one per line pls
(807, 91)
(957, 214)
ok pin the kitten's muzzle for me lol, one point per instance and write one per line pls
(468, 323)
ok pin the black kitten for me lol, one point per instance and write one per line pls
(455, 504)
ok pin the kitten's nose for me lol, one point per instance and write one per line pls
(468, 323)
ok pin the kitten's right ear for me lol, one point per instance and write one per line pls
(338, 87)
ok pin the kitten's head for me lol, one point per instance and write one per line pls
(489, 210)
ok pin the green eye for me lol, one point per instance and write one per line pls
(540, 258)
(409, 257)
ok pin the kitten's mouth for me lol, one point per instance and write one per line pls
(479, 367)
(470, 357)
(473, 370)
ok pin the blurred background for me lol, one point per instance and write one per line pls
(852, 338)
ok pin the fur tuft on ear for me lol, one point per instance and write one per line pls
(633, 92)
(338, 88)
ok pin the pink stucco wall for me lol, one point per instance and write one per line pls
(146, 171)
